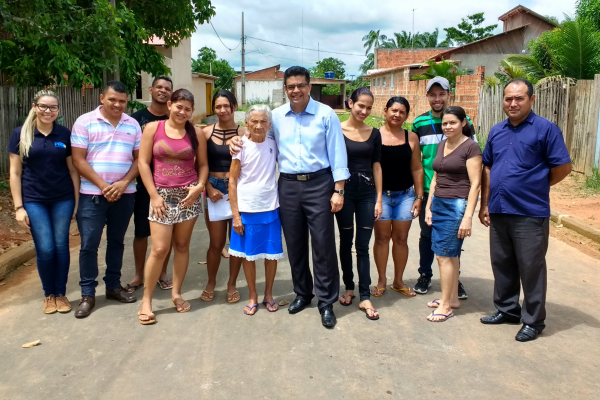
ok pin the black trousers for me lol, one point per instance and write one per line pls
(518, 246)
(305, 207)
(359, 202)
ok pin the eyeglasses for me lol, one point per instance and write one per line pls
(300, 86)
(44, 107)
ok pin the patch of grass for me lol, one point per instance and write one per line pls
(375, 122)
(254, 102)
(592, 182)
(481, 140)
(241, 123)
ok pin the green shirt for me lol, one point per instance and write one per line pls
(429, 130)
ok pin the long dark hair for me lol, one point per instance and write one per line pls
(360, 92)
(460, 113)
(400, 100)
(186, 95)
(228, 95)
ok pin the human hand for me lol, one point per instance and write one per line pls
(159, 207)
(114, 191)
(337, 202)
(465, 227)
(192, 196)
(238, 227)
(22, 218)
(416, 208)
(74, 213)
(484, 215)
(428, 217)
(213, 194)
(378, 210)
(235, 145)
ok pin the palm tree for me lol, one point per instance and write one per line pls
(445, 69)
(368, 64)
(430, 39)
(403, 41)
(373, 40)
(508, 71)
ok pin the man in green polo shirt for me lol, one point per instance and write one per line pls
(428, 126)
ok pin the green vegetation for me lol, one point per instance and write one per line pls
(589, 10)
(592, 182)
(375, 122)
(134, 105)
(445, 69)
(254, 102)
(329, 64)
(469, 30)
(207, 63)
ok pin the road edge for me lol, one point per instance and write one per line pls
(575, 225)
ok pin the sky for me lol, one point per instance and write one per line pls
(337, 26)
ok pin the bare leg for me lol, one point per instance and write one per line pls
(140, 247)
(182, 234)
(381, 250)
(161, 244)
(449, 278)
(270, 272)
(400, 253)
(217, 231)
(250, 272)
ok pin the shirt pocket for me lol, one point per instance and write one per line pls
(529, 153)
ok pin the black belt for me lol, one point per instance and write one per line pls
(306, 177)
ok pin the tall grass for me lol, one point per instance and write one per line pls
(592, 182)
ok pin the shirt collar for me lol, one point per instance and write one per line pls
(529, 119)
(124, 117)
(36, 132)
(311, 107)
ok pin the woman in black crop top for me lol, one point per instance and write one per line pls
(362, 198)
(402, 170)
(218, 137)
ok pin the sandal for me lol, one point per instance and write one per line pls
(133, 288)
(377, 292)
(273, 306)
(436, 303)
(151, 318)
(250, 308)
(166, 285)
(446, 317)
(346, 302)
(401, 291)
(233, 297)
(180, 305)
(374, 314)
(207, 296)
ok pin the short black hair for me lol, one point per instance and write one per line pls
(399, 100)
(296, 71)
(521, 80)
(163, 78)
(228, 95)
(117, 86)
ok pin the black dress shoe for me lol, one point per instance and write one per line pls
(499, 318)
(297, 306)
(527, 333)
(328, 317)
(85, 306)
(121, 295)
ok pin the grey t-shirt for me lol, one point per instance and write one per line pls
(452, 180)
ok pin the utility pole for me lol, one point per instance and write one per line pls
(413, 30)
(318, 53)
(116, 74)
(303, 36)
(243, 64)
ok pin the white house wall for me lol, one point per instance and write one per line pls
(260, 90)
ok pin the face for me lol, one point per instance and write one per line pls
(258, 124)
(396, 114)
(362, 108)
(161, 91)
(180, 111)
(223, 109)
(452, 126)
(297, 90)
(438, 98)
(517, 103)
(46, 109)
(114, 103)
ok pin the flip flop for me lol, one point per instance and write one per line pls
(446, 317)
(133, 288)
(377, 292)
(371, 317)
(401, 291)
(437, 304)
(151, 318)
(180, 305)
(251, 308)
(166, 285)
(231, 295)
(207, 298)
(345, 297)
(274, 304)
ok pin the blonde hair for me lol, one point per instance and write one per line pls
(29, 125)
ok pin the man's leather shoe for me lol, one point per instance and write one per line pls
(328, 317)
(297, 306)
(121, 295)
(85, 306)
(527, 333)
(499, 318)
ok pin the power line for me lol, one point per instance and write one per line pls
(211, 24)
(270, 55)
(297, 47)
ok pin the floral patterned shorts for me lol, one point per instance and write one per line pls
(176, 213)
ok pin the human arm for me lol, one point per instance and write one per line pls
(338, 158)
(484, 215)
(85, 169)
(76, 182)
(234, 174)
(158, 204)
(16, 174)
(559, 173)
(557, 155)
(378, 176)
(474, 171)
(202, 164)
(428, 214)
(416, 169)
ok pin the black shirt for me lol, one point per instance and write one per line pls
(362, 155)
(45, 175)
(144, 117)
(396, 166)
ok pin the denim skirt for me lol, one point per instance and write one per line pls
(221, 184)
(447, 214)
(261, 238)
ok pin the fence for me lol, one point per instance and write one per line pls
(15, 103)
(574, 107)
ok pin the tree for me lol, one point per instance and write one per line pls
(373, 40)
(589, 10)
(207, 63)
(368, 64)
(445, 69)
(405, 40)
(73, 42)
(469, 30)
(329, 64)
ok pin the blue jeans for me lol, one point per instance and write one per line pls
(50, 231)
(93, 213)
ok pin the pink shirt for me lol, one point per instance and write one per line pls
(174, 160)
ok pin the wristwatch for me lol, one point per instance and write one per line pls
(418, 197)
(340, 192)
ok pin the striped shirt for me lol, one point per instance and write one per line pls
(109, 149)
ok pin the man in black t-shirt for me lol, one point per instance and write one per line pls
(160, 91)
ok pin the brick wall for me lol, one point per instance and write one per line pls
(466, 92)
(390, 58)
(268, 73)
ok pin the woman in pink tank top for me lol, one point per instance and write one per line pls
(178, 151)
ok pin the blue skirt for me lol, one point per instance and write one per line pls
(447, 214)
(261, 238)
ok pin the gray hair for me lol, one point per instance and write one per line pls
(259, 108)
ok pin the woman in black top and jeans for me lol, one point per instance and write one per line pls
(402, 169)
(218, 137)
(362, 198)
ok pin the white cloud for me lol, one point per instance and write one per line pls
(337, 26)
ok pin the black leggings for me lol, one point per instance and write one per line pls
(359, 200)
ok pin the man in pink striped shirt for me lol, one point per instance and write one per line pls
(105, 144)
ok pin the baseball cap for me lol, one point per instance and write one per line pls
(443, 82)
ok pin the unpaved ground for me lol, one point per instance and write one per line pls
(569, 197)
(11, 233)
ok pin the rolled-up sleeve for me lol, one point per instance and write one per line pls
(556, 150)
(336, 148)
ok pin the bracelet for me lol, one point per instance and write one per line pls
(202, 183)
(419, 197)
(18, 208)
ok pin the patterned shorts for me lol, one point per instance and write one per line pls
(176, 213)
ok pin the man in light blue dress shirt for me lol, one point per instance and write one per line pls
(313, 167)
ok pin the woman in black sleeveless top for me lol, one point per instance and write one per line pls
(402, 170)
(362, 198)
(218, 137)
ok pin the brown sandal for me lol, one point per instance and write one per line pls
(180, 305)
(233, 297)
(207, 296)
(151, 318)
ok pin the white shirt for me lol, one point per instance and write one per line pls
(257, 183)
